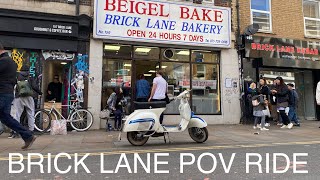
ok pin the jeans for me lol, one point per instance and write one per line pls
(293, 115)
(142, 99)
(256, 120)
(7, 119)
(117, 118)
(28, 103)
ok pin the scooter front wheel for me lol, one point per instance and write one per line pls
(199, 135)
(136, 138)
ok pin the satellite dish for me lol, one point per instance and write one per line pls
(251, 29)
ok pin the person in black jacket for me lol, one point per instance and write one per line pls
(264, 90)
(282, 95)
(8, 69)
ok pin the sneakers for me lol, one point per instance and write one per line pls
(255, 127)
(267, 124)
(264, 129)
(279, 124)
(290, 126)
(284, 126)
(258, 126)
(29, 143)
(13, 135)
(298, 125)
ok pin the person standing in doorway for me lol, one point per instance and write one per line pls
(293, 104)
(25, 89)
(282, 95)
(159, 89)
(55, 90)
(142, 89)
(8, 69)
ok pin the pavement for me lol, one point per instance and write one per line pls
(219, 135)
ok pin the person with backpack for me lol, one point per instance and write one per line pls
(24, 92)
(293, 104)
(282, 96)
(115, 102)
(8, 69)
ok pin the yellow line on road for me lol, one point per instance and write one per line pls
(142, 151)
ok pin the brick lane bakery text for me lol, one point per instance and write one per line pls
(157, 20)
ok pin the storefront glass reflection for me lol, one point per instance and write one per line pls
(116, 73)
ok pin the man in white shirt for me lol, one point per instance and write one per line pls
(159, 89)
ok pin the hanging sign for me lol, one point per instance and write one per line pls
(163, 22)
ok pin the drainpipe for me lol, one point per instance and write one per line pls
(77, 7)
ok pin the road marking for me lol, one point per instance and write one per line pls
(142, 151)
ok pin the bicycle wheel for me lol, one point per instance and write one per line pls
(81, 120)
(42, 121)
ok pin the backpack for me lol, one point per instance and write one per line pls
(24, 89)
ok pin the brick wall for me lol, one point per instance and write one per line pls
(287, 19)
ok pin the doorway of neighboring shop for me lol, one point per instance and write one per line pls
(303, 82)
(56, 82)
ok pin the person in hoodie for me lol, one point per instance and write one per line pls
(24, 92)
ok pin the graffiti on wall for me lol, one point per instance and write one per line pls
(17, 57)
(33, 61)
(82, 71)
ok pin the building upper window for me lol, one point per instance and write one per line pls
(311, 11)
(261, 14)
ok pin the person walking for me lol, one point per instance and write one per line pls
(282, 95)
(159, 89)
(142, 89)
(8, 69)
(115, 104)
(24, 92)
(293, 104)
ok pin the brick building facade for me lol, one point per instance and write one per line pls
(287, 44)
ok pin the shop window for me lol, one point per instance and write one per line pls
(177, 55)
(261, 14)
(311, 11)
(117, 51)
(178, 78)
(200, 56)
(149, 53)
(116, 73)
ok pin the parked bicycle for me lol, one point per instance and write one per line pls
(79, 119)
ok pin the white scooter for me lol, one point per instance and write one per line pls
(144, 122)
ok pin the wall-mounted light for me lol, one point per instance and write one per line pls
(63, 63)
(143, 50)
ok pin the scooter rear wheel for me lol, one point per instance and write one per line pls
(134, 139)
(199, 135)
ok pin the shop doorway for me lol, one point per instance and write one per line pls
(304, 85)
(146, 68)
(56, 80)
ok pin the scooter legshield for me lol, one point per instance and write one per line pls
(145, 121)
(196, 121)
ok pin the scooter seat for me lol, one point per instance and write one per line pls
(149, 105)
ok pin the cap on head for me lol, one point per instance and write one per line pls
(290, 84)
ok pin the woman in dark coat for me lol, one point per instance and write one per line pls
(282, 97)
(265, 91)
